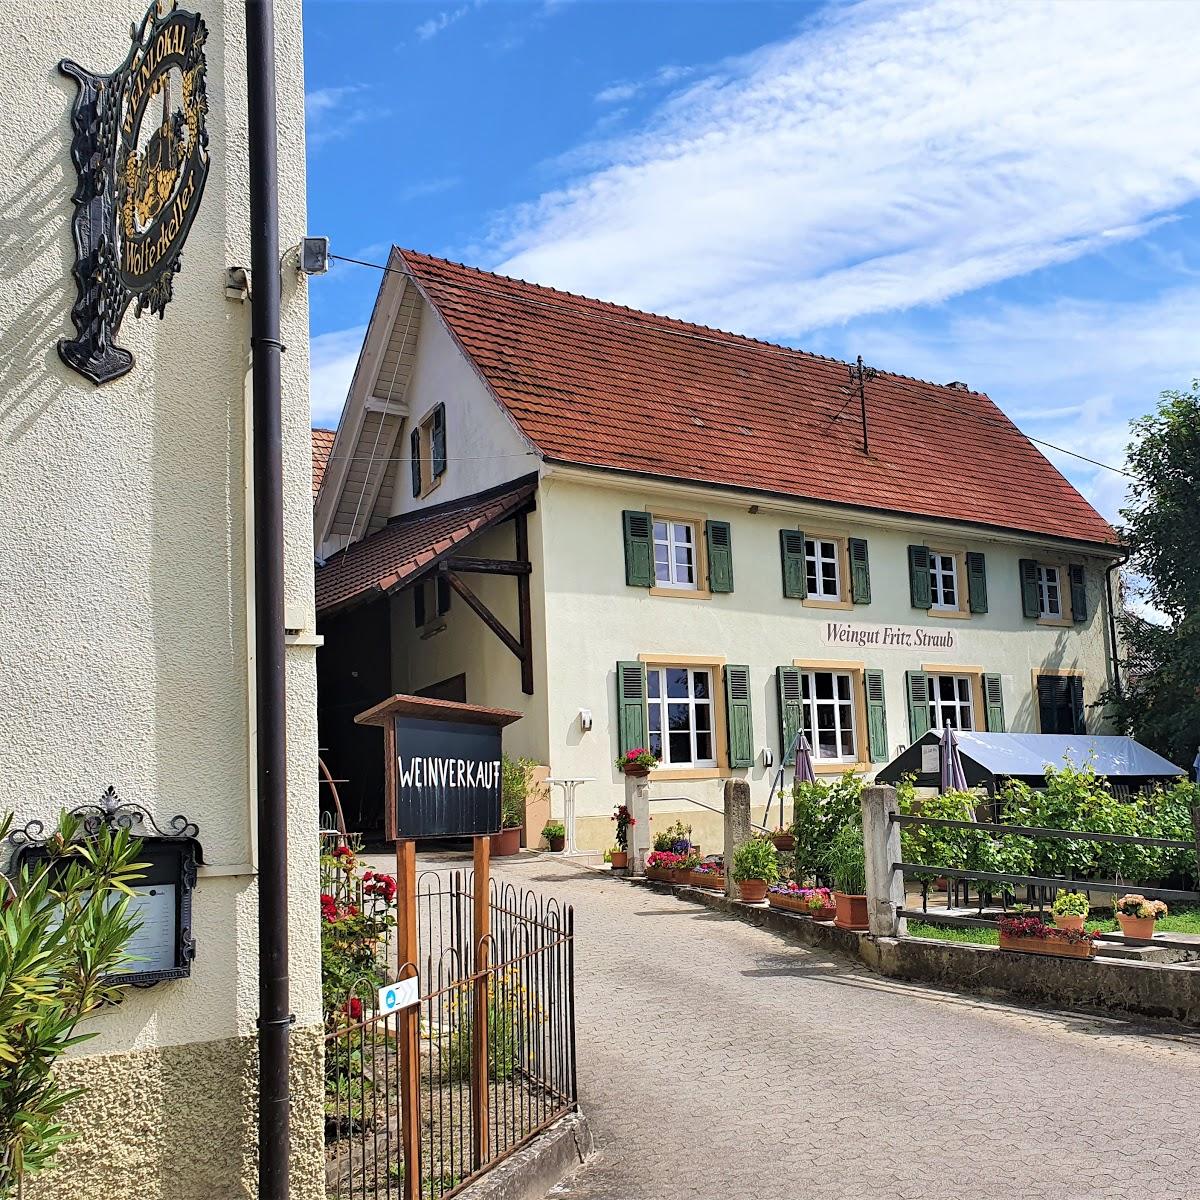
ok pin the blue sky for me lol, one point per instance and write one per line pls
(1003, 194)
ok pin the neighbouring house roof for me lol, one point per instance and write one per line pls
(322, 444)
(603, 386)
(409, 545)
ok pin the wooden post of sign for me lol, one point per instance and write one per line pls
(481, 893)
(408, 1019)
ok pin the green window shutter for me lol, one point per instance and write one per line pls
(791, 552)
(918, 576)
(639, 548)
(860, 571)
(631, 707)
(1078, 592)
(1031, 604)
(788, 679)
(1076, 682)
(976, 582)
(414, 450)
(917, 684)
(719, 543)
(993, 703)
(739, 725)
(437, 442)
(876, 716)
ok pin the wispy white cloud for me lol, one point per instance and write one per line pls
(436, 24)
(331, 112)
(334, 356)
(894, 155)
(427, 187)
(618, 93)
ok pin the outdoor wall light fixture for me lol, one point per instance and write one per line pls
(768, 757)
(585, 720)
(313, 257)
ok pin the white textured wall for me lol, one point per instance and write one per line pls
(483, 446)
(123, 582)
(593, 620)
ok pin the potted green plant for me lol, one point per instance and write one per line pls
(1136, 915)
(845, 860)
(620, 854)
(514, 784)
(1031, 935)
(639, 762)
(555, 833)
(1070, 909)
(755, 868)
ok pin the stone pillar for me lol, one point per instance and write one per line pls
(881, 841)
(737, 826)
(637, 800)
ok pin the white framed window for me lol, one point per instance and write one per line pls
(1049, 592)
(680, 709)
(827, 703)
(674, 554)
(943, 581)
(823, 569)
(950, 702)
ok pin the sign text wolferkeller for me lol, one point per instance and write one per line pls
(141, 153)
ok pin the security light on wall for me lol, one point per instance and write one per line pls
(313, 255)
(768, 757)
(585, 720)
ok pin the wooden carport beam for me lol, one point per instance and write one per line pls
(487, 566)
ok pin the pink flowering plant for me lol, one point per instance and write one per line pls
(814, 899)
(638, 757)
(666, 860)
(1134, 905)
(710, 867)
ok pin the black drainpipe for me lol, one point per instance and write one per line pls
(274, 1016)
(1112, 621)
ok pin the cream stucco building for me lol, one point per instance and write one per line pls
(125, 602)
(711, 558)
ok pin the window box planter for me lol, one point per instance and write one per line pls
(851, 911)
(506, 842)
(1055, 949)
(713, 880)
(796, 905)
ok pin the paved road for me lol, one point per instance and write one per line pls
(720, 1061)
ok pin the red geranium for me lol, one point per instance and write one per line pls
(354, 1008)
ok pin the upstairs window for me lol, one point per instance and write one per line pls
(675, 554)
(943, 581)
(822, 570)
(679, 711)
(1049, 592)
(427, 450)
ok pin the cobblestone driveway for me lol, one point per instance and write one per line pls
(719, 1061)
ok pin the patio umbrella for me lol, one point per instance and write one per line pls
(804, 767)
(953, 778)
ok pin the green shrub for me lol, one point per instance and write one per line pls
(756, 859)
(515, 776)
(554, 829)
(845, 860)
(819, 810)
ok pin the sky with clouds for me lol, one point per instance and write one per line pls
(1005, 194)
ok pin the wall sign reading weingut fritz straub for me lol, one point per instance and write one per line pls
(141, 154)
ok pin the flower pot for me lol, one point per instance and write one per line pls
(658, 873)
(1054, 949)
(1141, 928)
(851, 911)
(1066, 921)
(715, 883)
(620, 860)
(637, 772)
(506, 842)
(752, 891)
(556, 844)
(783, 841)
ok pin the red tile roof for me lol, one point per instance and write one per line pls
(405, 547)
(322, 444)
(605, 386)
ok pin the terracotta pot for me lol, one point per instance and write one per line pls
(557, 844)
(637, 772)
(783, 841)
(851, 911)
(620, 860)
(506, 842)
(1136, 927)
(1065, 921)
(1033, 945)
(715, 883)
(658, 873)
(752, 891)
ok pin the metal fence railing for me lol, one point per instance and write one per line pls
(1041, 887)
(495, 1047)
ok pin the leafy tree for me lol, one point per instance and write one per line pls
(1159, 703)
(65, 927)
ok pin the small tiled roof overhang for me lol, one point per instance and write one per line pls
(322, 444)
(603, 386)
(409, 546)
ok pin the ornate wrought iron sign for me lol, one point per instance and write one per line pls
(163, 946)
(141, 153)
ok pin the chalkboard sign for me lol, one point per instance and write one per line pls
(443, 765)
